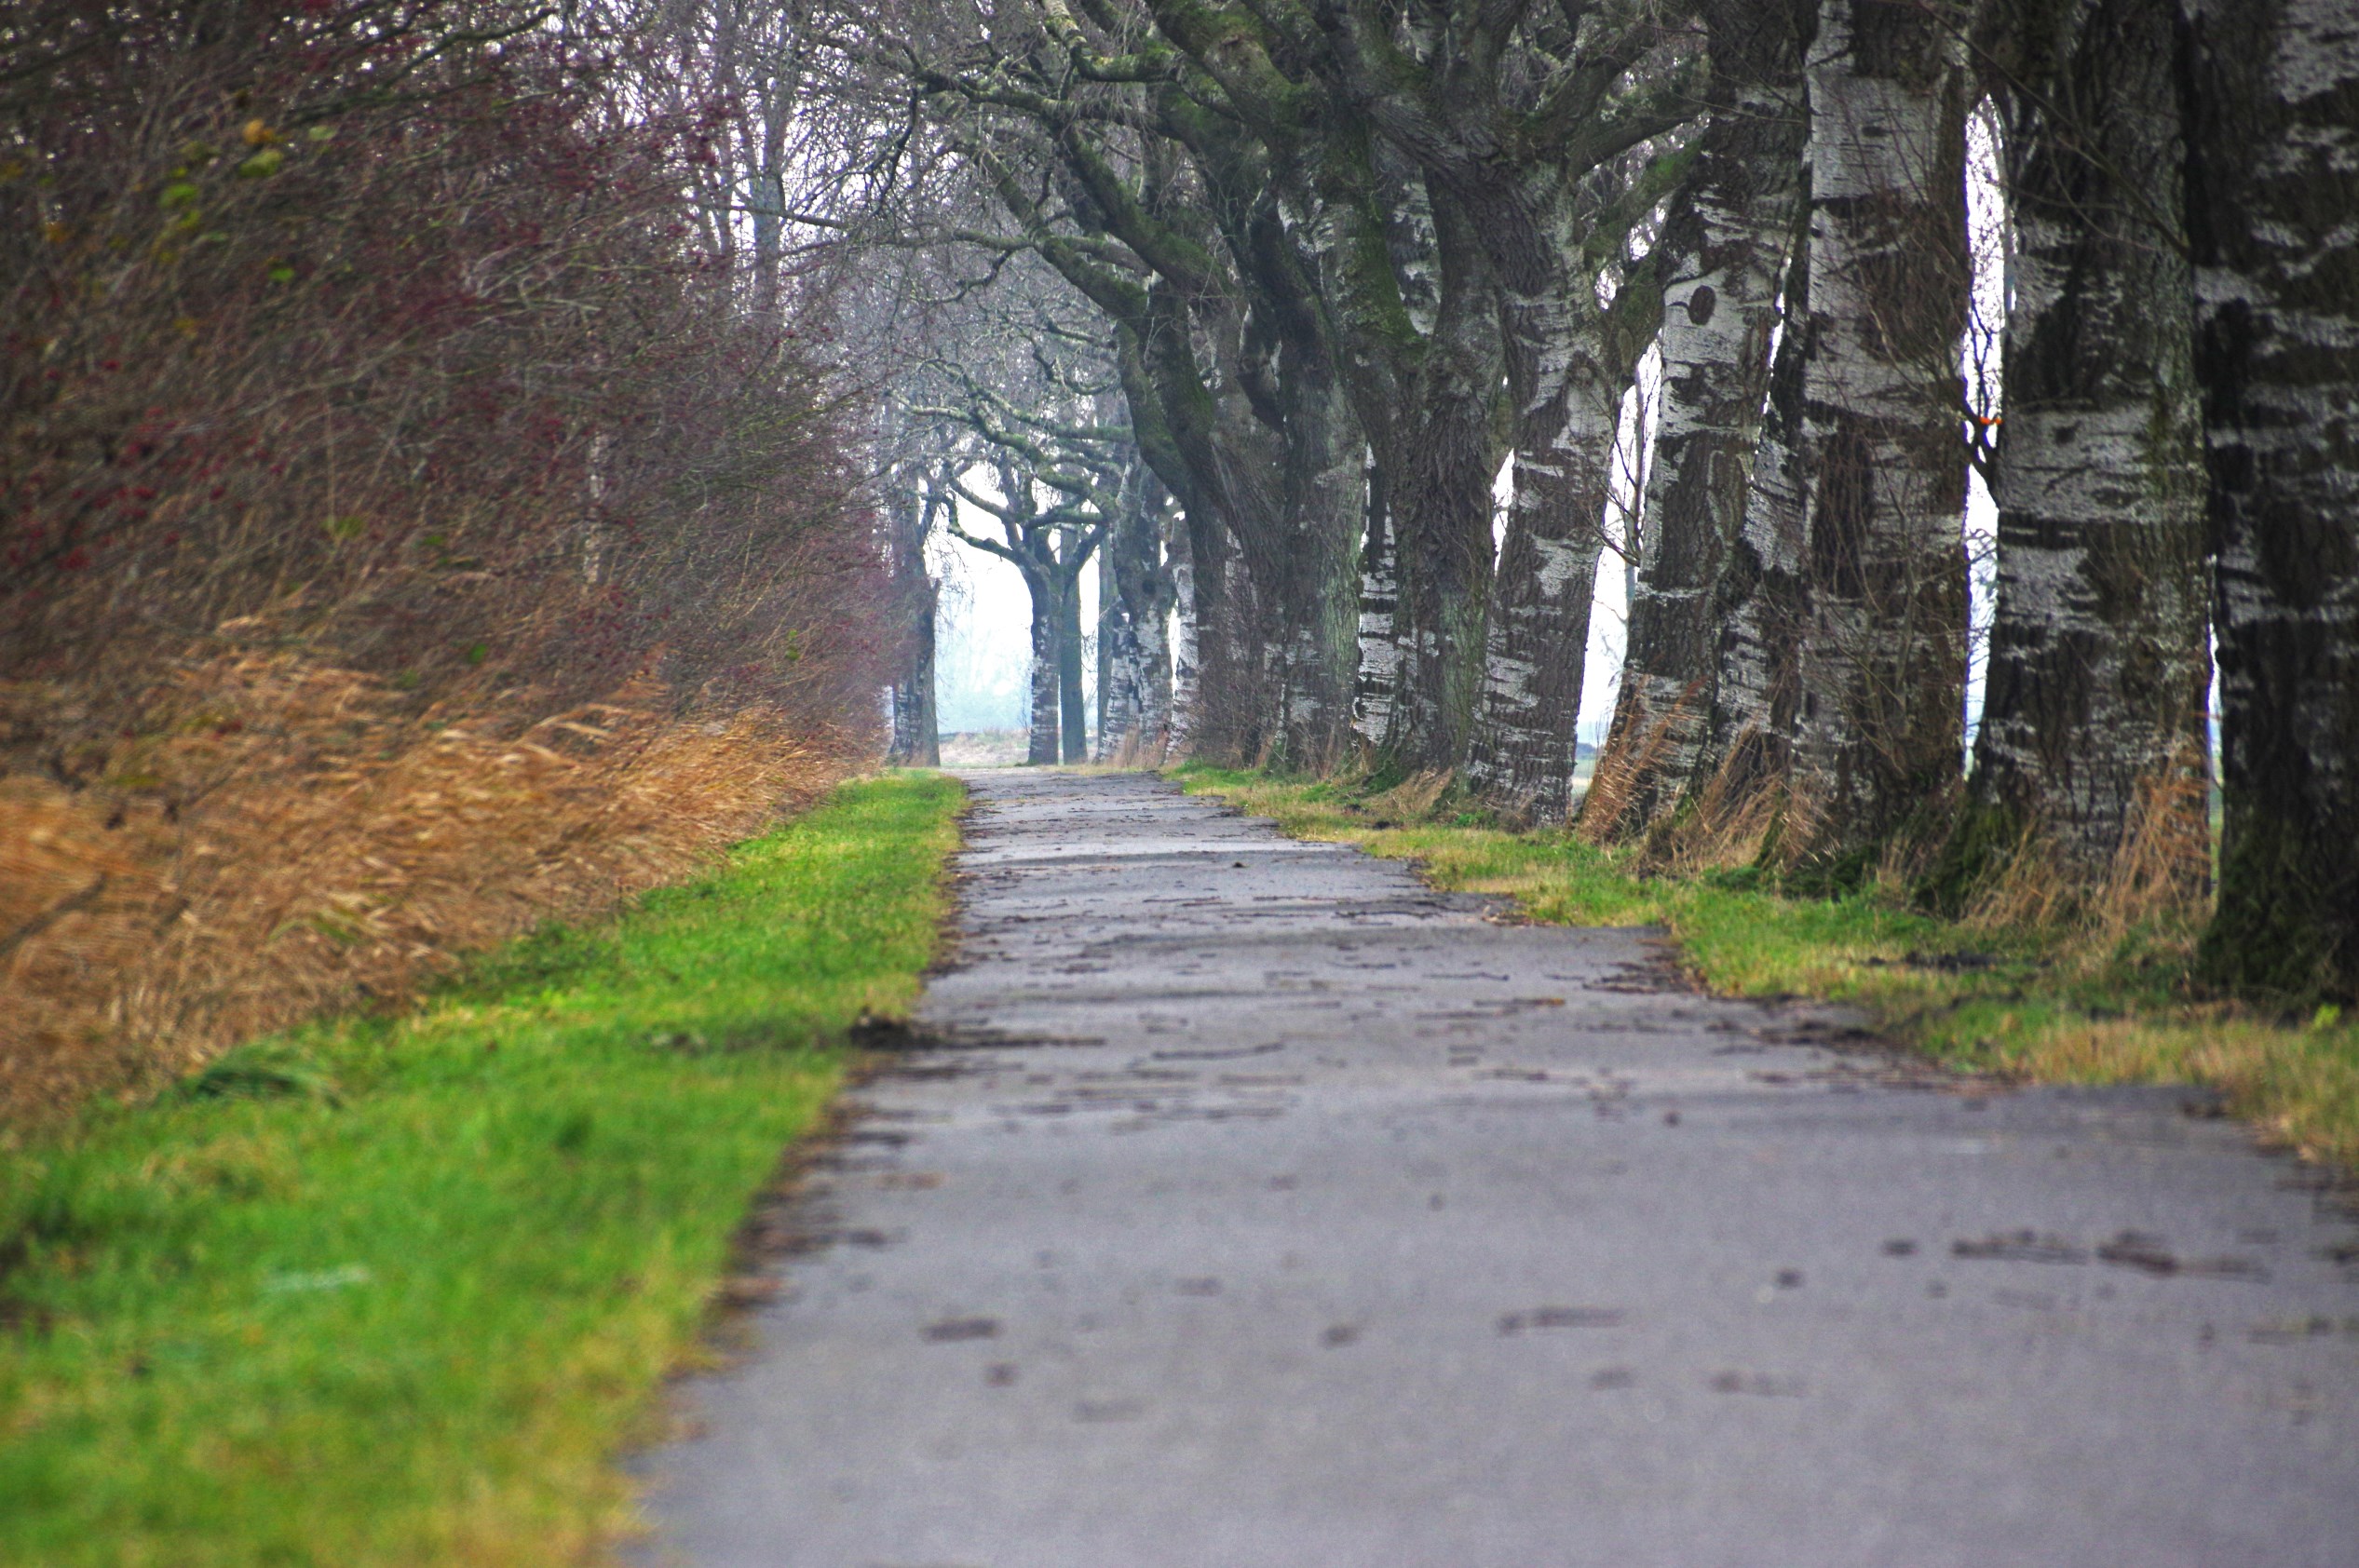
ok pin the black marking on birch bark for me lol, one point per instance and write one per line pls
(2273, 132)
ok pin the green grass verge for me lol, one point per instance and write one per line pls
(2015, 1003)
(398, 1291)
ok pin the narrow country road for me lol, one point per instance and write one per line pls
(1266, 1210)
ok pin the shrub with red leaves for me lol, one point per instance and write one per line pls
(371, 328)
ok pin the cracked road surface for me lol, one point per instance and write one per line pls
(1268, 1210)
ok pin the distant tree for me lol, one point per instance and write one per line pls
(1138, 590)
(914, 509)
(1024, 406)
(1047, 542)
(1346, 247)
(1170, 213)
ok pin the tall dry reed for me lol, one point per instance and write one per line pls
(293, 839)
(410, 526)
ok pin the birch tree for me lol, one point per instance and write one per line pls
(1170, 214)
(2274, 86)
(1244, 163)
(1048, 541)
(1138, 590)
(1878, 730)
(1760, 601)
(1507, 113)
(1380, 608)
(1722, 260)
(2092, 739)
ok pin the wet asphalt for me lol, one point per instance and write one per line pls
(1255, 1206)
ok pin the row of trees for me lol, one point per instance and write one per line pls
(1025, 427)
(1352, 258)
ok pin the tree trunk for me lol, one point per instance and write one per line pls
(1723, 253)
(1185, 661)
(915, 742)
(1318, 619)
(1405, 278)
(1117, 701)
(1046, 662)
(1231, 662)
(1879, 737)
(1073, 710)
(1379, 654)
(1444, 584)
(1236, 398)
(1444, 454)
(1227, 722)
(2093, 724)
(1567, 384)
(1221, 461)
(1136, 593)
(1760, 601)
(1151, 737)
(916, 731)
(1490, 650)
(2275, 96)
(1267, 465)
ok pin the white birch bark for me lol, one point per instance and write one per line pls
(1182, 727)
(1521, 759)
(1117, 668)
(1136, 595)
(1760, 597)
(1152, 666)
(1877, 736)
(1442, 451)
(1041, 745)
(1318, 599)
(1407, 280)
(1112, 636)
(1372, 698)
(2274, 86)
(2098, 658)
(1722, 257)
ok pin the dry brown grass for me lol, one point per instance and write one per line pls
(1414, 798)
(2159, 876)
(1138, 751)
(1633, 754)
(1731, 817)
(277, 835)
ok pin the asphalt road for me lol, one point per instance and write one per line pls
(1268, 1209)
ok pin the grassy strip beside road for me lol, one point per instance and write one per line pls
(398, 1290)
(2012, 1001)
